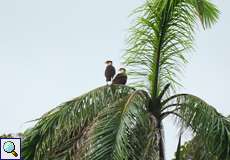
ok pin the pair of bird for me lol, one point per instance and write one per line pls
(110, 71)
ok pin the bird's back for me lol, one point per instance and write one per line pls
(120, 78)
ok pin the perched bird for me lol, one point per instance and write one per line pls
(121, 77)
(110, 71)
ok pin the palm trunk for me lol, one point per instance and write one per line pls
(155, 111)
(161, 143)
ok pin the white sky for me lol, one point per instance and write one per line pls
(53, 50)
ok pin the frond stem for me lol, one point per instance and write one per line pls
(172, 105)
(165, 114)
(172, 97)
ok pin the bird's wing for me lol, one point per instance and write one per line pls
(120, 79)
(113, 71)
(109, 71)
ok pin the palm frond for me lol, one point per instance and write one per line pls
(195, 149)
(208, 125)
(161, 37)
(124, 131)
(206, 11)
(61, 130)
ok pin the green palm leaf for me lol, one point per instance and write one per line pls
(60, 131)
(195, 149)
(207, 124)
(124, 131)
(161, 37)
(206, 11)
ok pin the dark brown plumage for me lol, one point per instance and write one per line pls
(121, 78)
(110, 71)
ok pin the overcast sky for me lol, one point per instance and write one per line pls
(54, 50)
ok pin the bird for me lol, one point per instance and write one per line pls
(121, 77)
(110, 71)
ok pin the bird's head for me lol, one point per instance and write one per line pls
(122, 70)
(109, 62)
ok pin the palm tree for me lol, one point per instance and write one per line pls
(125, 123)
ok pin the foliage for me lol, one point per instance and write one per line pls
(195, 149)
(6, 136)
(60, 132)
(161, 38)
(121, 130)
(121, 123)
